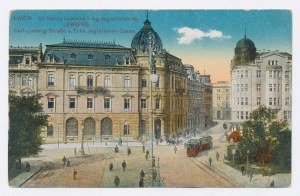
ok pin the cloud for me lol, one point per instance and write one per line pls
(188, 35)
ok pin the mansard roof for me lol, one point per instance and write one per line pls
(87, 53)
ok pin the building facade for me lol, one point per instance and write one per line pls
(196, 120)
(102, 90)
(221, 101)
(260, 78)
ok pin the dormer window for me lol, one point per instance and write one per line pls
(90, 56)
(107, 57)
(27, 61)
(50, 57)
(127, 61)
(73, 56)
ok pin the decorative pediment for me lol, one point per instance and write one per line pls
(127, 95)
(51, 95)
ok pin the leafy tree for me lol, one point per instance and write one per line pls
(265, 136)
(25, 123)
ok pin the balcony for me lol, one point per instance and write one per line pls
(96, 90)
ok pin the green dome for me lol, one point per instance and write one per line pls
(245, 43)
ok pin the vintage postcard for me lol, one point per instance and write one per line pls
(148, 99)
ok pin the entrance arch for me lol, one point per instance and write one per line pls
(157, 128)
(106, 126)
(89, 127)
(72, 127)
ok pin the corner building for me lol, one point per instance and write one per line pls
(260, 78)
(101, 90)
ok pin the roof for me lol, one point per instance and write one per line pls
(87, 53)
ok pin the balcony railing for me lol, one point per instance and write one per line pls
(91, 90)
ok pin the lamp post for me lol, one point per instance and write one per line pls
(233, 153)
(82, 138)
(248, 160)
(153, 79)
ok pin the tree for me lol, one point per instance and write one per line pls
(263, 135)
(25, 123)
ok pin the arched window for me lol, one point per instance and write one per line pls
(90, 56)
(73, 56)
(106, 126)
(126, 128)
(89, 127)
(72, 80)
(27, 61)
(127, 62)
(107, 57)
(72, 127)
(29, 81)
(106, 81)
(90, 80)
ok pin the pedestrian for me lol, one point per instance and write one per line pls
(74, 151)
(272, 184)
(117, 181)
(129, 151)
(116, 149)
(124, 165)
(111, 166)
(250, 176)
(217, 156)
(243, 170)
(27, 167)
(141, 182)
(146, 157)
(121, 142)
(143, 149)
(68, 163)
(105, 143)
(64, 159)
(210, 161)
(142, 174)
(74, 174)
(147, 152)
(175, 149)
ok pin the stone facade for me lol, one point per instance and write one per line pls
(221, 101)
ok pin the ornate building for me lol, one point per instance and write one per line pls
(260, 78)
(221, 100)
(101, 90)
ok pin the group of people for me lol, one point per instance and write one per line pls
(117, 179)
(65, 160)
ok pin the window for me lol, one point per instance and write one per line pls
(50, 80)
(24, 81)
(49, 131)
(275, 73)
(90, 80)
(246, 74)
(287, 87)
(218, 90)
(126, 103)
(237, 87)
(246, 87)
(106, 103)
(157, 82)
(106, 81)
(270, 101)
(242, 74)
(126, 82)
(258, 86)
(144, 82)
(89, 103)
(227, 90)
(218, 97)
(287, 101)
(275, 101)
(126, 128)
(270, 74)
(106, 57)
(27, 61)
(127, 61)
(72, 80)
(72, 103)
(11, 81)
(258, 73)
(29, 81)
(73, 56)
(246, 100)
(270, 87)
(287, 115)
(287, 74)
(157, 100)
(258, 100)
(143, 103)
(247, 115)
(50, 102)
(242, 87)
(242, 115)
(274, 87)
(90, 56)
(242, 100)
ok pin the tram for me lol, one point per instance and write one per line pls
(195, 145)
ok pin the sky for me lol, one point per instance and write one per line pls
(203, 38)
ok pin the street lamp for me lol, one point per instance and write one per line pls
(82, 137)
(153, 79)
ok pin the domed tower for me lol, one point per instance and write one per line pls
(140, 42)
(244, 53)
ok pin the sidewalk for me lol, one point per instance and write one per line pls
(24, 177)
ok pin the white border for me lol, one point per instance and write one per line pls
(154, 4)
